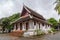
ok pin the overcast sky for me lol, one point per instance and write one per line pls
(43, 7)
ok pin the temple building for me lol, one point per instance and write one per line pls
(30, 21)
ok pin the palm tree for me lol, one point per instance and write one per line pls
(57, 8)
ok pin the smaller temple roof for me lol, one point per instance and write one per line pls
(21, 19)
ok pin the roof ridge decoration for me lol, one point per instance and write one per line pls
(26, 8)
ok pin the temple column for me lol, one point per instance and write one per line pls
(14, 27)
(41, 26)
(18, 25)
(23, 26)
(44, 27)
(37, 26)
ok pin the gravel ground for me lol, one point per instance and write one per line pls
(45, 37)
(52, 36)
(7, 37)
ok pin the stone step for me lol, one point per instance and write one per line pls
(28, 33)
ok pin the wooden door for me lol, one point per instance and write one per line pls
(27, 25)
(20, 26)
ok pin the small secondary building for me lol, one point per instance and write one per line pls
(30, 21)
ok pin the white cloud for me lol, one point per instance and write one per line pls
(44, 7)
(6, 8)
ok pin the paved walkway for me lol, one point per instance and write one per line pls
(46, 37)
(52, 36)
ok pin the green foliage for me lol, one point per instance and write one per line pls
(14, 17)
(6, 22)
(49, 31)
(39, 32)
(52, 30)
(57, 8)
(1, 22)
(59, 20)
(52, 21)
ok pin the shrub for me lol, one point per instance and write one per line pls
(39, 32)
(51, 30)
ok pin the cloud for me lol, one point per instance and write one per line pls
(6, 8)
(43, 7)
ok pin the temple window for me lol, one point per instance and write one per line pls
(39, 25)
(27, 25)
(20, 26)
(42, 24)
(34, 22)
(16, 27)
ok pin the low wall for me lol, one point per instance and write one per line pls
(17, 33)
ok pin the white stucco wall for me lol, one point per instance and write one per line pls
(31, 28)
(31, 25)
(45, 28)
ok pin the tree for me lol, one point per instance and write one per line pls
(53, 22)
(59, 20)
(14, 17)
(57, 8)
(6, 24)
(2, 25)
